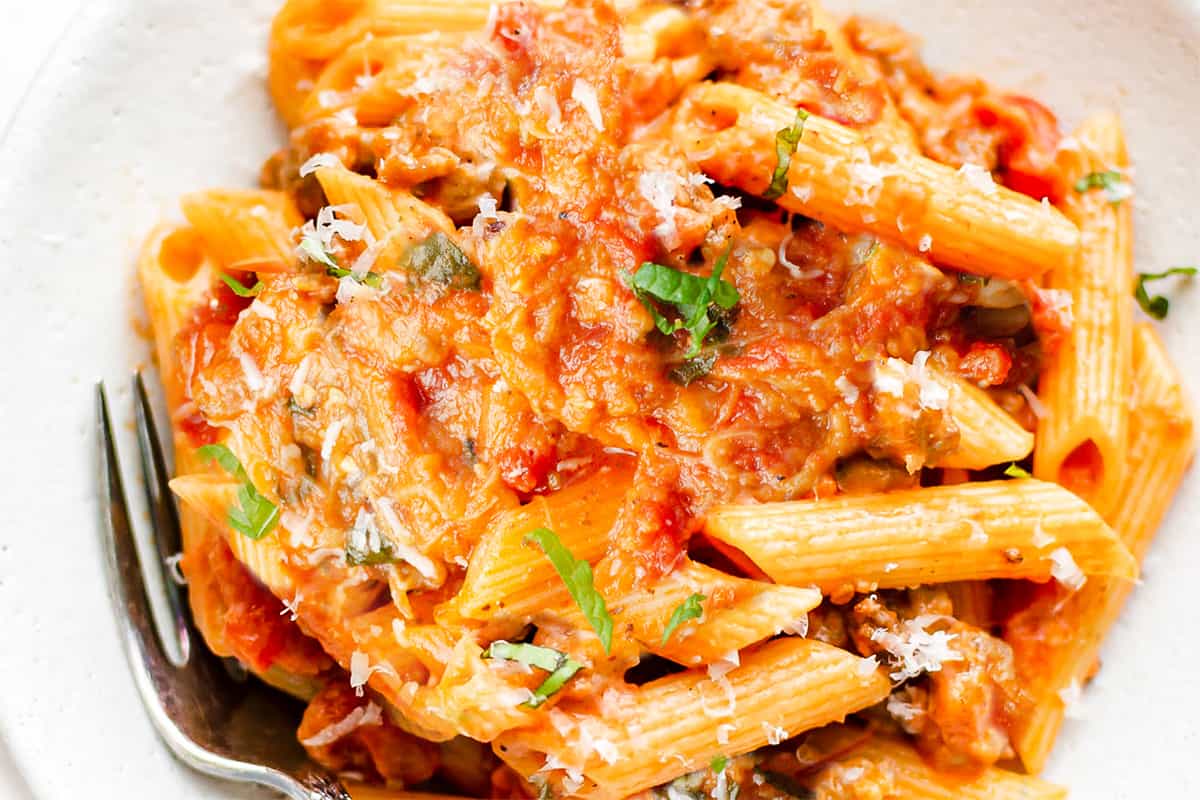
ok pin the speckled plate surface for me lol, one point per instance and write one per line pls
(146, 99)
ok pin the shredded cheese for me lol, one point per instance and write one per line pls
(361, 717)
(978, 178)
(1064, 570)
(915, 650)
(318, 161)
(584, 93)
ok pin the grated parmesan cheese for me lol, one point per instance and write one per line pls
(318, 161)
(330, 439)
(422, 563)
(893, 375)
(254, 378)
(723, 731)
(659, 187)
(867, 666)
(915, 650)
(584, 93)
(361, 717)
(775, 734)
(925, 243)
(1064, 570)
(849, 391)
(978, 178)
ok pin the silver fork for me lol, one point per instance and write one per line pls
(210, 715)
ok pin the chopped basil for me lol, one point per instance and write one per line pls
(312, 249)
(693, 369)
(1016, 471)
(296, 408)
(438, 259)
(699, 301)
(1114, 186)
(372, 279)
(786, 142)
(577, 575)
(237, 288)
(1157, 306)
(255, 515)
(560, 666)
(688, 609)
(719, 763)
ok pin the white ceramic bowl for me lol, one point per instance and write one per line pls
(144, 100)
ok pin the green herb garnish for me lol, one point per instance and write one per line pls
(237, 288)
(560, 666)
(1157, 306)
(688, 609)
(255, 515)
(719, 763)
(438, 259)
(312, 249)
(372, 279)
(699, 301)
(1017, 471)
(786, 142)
(577, 575)
(1111, 182)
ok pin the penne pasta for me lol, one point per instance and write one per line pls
(972, 531)
(729, 132)
(1057, 640)
(511, 578)
(1085, 383)
(987, 433)
(245, 229)
(780, 689)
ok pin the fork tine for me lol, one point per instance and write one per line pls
(126, 588)
(164, 519)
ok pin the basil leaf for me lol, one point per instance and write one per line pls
(372, 279)
(719, 763)
(693, 368)
(699, 301)
(553, 683)
(312, 249)
(535, 656)
(1157, 306)
(237, 288)
(688, 609)
(786, 142)
(578, 577)
(438, 259)
(254, 516)
(1111, 182)
(1016, 471)
(561, 667)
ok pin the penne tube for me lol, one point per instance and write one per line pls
(737, 613)
(972, 531)
(510, 578)
(393, 217)
(242, 229)
(1057, 640)
(988, 434)
(781, 689)
(1085, 382)
(960, 220)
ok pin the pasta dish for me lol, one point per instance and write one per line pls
(644, 399)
